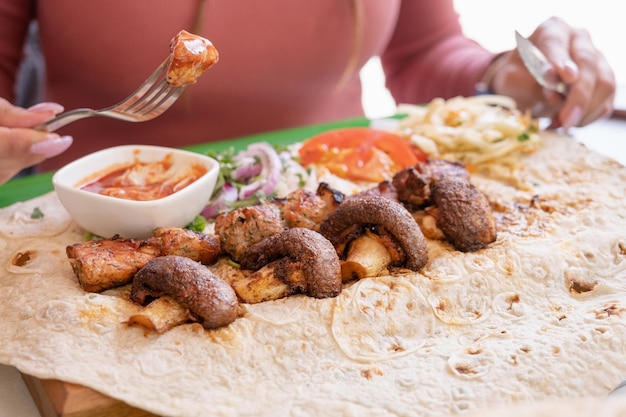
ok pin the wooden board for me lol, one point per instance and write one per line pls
(55, 398)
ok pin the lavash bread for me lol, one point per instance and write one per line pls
(537, 320)
(567, 407)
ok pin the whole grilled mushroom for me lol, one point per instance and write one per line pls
(304, 250)
(210, 299)
(375, 211)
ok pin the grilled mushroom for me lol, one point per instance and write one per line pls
(303, 253)
(210, 299)
(375, 212)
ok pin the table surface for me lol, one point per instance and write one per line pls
(607, 137)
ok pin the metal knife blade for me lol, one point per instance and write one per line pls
(536, 62)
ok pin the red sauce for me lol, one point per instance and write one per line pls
(143, 181)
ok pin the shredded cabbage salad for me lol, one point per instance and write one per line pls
(473, 130)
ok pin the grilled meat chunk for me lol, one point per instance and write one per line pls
(302, 208)
(444, 190)
(200, 247)
(245, 226)
(463, 214)
(108, 263)
(413, 184)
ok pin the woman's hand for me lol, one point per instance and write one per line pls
(20, 145)
(575, 61)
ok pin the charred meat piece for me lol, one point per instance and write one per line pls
(245, 226)
(108, 263)
(412, 188)
(413, 184)
(306, 253)
(374, 212)
(444, 190)
(210, 299)
(200, 247)
(383, 189)
(463, 214)
(438, 169)
(302, 208)
(331, 197)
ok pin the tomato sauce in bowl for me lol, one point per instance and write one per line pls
(130, 190)
(144, 181)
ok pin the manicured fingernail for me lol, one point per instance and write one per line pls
(573, 118)
(46, 107)
(571, 67)
(53, 145)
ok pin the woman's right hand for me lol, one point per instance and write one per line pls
(20, 145)
(574, 60)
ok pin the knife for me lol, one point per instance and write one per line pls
(536, 62)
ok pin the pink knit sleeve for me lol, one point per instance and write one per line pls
(14, 19)
(429, 56)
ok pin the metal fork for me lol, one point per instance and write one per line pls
(150, 100)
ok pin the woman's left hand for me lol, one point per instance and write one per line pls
(575, 61)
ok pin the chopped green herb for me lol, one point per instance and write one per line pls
(198, 224)
(301, 181)
(524, 136)
(37, 213)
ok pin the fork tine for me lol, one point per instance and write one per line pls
(158, 100)
(153, 92)
(145, 88)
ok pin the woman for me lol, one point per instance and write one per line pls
(282, 64)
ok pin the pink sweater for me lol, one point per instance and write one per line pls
(283, 63)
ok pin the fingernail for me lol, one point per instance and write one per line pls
(53, 145)
(571, 67)
(47, 107)
(572, 118)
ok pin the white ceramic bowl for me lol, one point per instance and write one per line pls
(107, 216)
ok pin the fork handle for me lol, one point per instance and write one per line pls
(65, 119)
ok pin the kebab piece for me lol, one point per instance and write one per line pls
(444, 191)
(190, 56)
(241, 228)
(108, 263)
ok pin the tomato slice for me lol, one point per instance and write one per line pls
(361, 153)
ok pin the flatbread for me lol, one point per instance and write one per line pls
(41, 217)
(539, 315)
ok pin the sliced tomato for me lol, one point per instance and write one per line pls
(361, 153)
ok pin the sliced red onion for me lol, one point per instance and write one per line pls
(270, 170)
(227, 194)
(246, 169)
